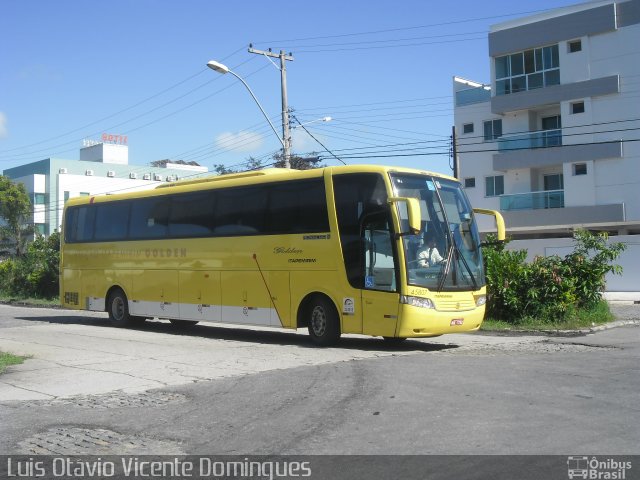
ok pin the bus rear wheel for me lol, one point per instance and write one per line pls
(118, 307)
(323, 321)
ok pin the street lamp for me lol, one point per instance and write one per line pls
(223, 69)
(323, 119)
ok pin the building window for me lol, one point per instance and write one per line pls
(551, 131)
(574, 46)
(467, 128)
(577, 107)
(41, 228)
(494, 186)
(579, 168)
(492, 130)
(553, 181)
(84, 194)
(528, 70)
(470, 182)
(39, 198)
(66, 196)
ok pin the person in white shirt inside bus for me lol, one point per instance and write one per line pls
(428, 254)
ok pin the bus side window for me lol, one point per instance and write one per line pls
(149, 218)
(112, 221)
(191, 215)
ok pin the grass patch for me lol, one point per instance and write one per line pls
(577, 320)
(29, 301)
(7, 359)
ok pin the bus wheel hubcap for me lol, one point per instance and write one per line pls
(318, 321)
(118, 308)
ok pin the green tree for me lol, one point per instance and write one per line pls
(297, 163)
(36, 273)
(15, 210)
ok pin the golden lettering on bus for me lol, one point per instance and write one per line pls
(165, 252)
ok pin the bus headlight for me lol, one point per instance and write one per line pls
(416, 301)
(481, 300)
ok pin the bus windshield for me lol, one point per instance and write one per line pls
(446, 254)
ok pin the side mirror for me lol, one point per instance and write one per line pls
(413, 213)
(500, 228)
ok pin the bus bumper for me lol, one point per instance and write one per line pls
(416, 322)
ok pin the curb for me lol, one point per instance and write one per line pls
(561, 333)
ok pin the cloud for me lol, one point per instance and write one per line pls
(302, 142)
(3, 125)
(240, 141)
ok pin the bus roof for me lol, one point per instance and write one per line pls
(246, 178)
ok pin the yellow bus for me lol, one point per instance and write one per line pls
(336, 250)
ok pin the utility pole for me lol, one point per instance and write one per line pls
(286, 136)
(454, 153)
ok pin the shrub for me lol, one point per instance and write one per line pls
(549, 288)
(36, 273)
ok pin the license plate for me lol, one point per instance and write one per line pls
(457, 321)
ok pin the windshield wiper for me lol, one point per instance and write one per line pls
(451, 250)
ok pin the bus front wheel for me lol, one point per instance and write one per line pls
(323, 321)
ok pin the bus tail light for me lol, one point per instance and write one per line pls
(416, 301)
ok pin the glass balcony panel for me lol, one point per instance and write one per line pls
(539, 139)
(532, 200)
(473, 95)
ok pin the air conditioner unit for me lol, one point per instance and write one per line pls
(89, 173)
(147, 176)
(157, 177)
(62, 170)
(111, 174)
(133, 176)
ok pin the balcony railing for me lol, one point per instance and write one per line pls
(538, 139)
(470, 96)
(532, 200)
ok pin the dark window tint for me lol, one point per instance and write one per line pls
(297, 207)
(192, 215)
(149, 218)
(79, 223)
(112, 220)
(240, 211)
(278, 208)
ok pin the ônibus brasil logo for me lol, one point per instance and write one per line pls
(597, 469)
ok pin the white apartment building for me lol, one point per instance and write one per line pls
(103, 168)
(553, 141)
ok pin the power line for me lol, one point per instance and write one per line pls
(415, 27)
(319, 142)
(294, 46)
(141, 126)
(418, 44)
(2, 152)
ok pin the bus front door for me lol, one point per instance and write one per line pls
(380, 298)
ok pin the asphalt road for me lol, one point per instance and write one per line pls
(93, 389)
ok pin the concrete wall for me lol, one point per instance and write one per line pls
(628, 282)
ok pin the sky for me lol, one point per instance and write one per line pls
(74, 70)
